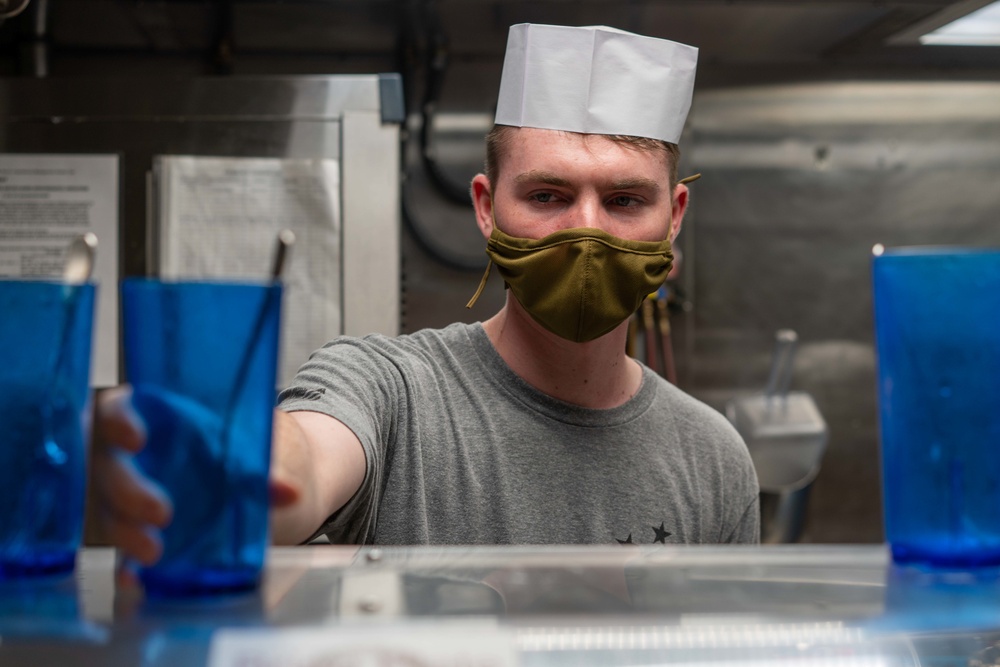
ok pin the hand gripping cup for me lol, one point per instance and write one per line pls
(202, 358)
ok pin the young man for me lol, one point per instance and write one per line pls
(532, 427)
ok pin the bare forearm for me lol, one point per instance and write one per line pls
(317, 465)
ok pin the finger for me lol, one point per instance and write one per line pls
(128, 589)
(116, 421)
(137, 541)
(282, 493)
(127, 494)
(126, 576)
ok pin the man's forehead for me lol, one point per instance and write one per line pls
(531, 136)
(533, 145)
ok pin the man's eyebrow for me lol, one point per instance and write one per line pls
(638, 183)
(549, 178)
(537, 176)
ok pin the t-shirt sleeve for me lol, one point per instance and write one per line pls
(357, 382)
(743, 522)
(721, 456)
(744, 525)
(747, 530)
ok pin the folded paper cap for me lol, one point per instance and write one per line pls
(596, 80)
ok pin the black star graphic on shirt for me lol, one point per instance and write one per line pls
(628, 540)
(661, 534)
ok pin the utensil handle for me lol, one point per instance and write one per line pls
(780, 378)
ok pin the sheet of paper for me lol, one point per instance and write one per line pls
(47, 200)
(448, 643)
(219, 218)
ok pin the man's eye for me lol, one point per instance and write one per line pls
(542, 197)
(624, 201)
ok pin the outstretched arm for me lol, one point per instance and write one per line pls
(317, 465)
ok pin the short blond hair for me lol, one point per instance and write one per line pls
(499, 138)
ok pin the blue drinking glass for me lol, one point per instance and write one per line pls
(45, 349)
(937, 331)
(202, 361)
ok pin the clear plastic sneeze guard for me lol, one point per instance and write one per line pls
(499, 606)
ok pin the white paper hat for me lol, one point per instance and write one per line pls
(596, 80)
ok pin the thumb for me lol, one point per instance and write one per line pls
(282, 492)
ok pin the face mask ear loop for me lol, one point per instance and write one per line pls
(482, 285)
(486, 274)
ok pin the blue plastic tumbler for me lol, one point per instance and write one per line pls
(937, 331)
(45, 344)
(202, 360)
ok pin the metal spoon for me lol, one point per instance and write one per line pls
(77, 269)
(283, 245)
(286, 239)
(80, 259)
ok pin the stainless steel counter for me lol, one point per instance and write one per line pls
(324, 605)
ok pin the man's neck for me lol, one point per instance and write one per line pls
(596, 374)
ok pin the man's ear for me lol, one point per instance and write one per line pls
(678, 209)
(482, 202)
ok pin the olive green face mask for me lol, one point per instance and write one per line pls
(578, 283)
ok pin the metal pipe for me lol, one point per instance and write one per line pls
(40, 45)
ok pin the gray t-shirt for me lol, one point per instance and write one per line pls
(461, 450)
